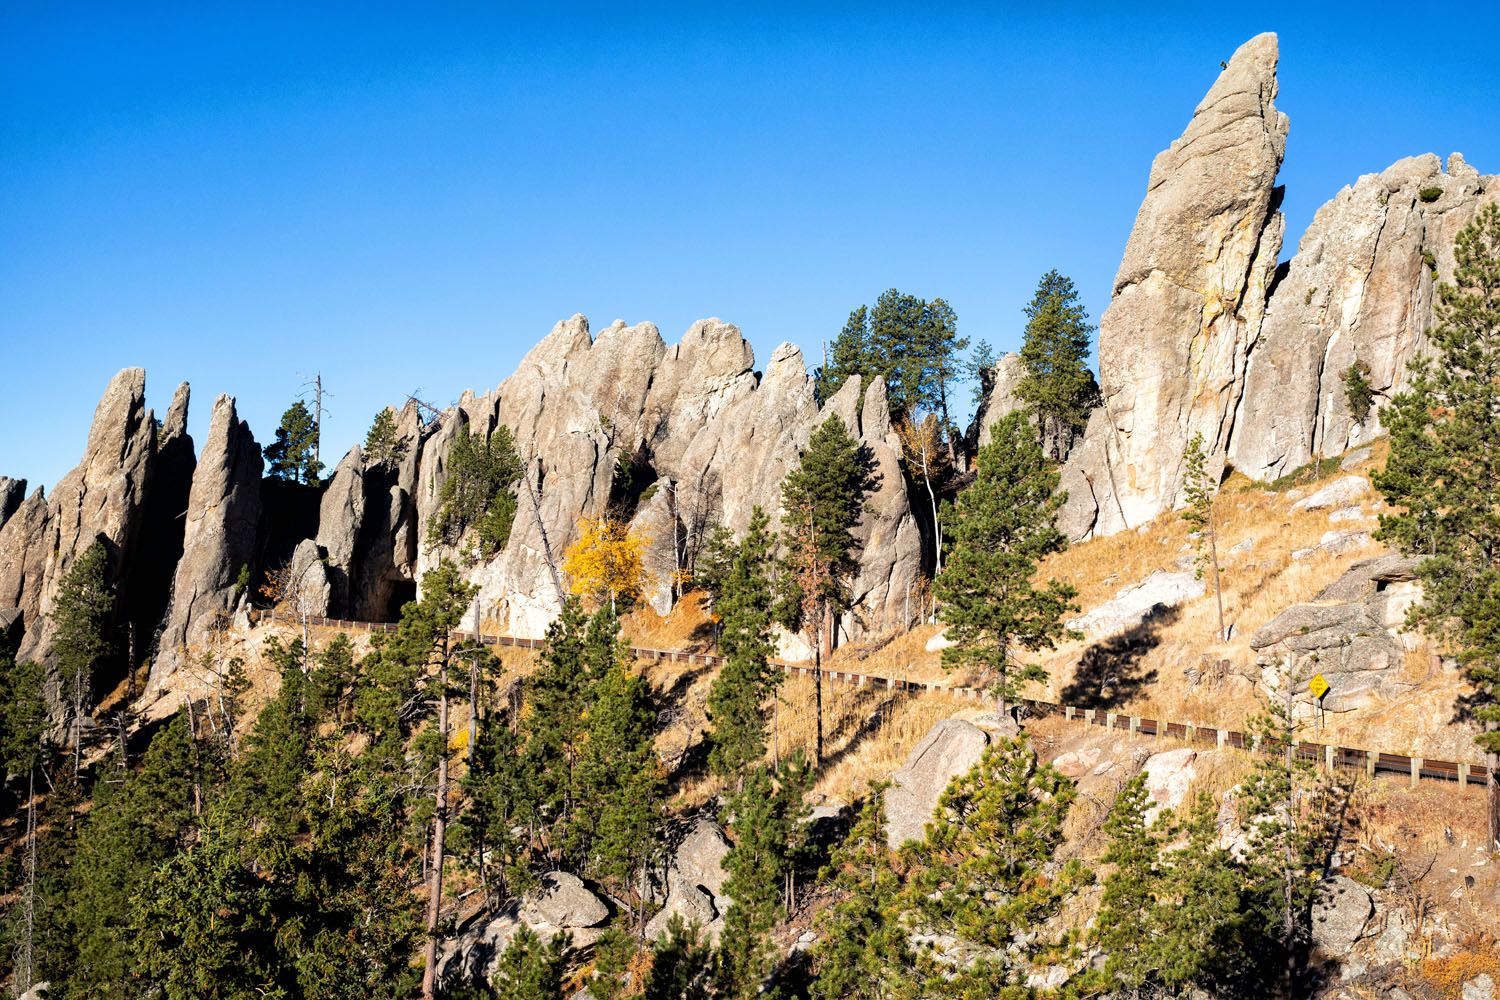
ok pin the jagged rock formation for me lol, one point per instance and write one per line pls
(1191, 290)
(99, 499)
(1000, 401)
(1360, 287)
(219, 540)
(708, 436)
(148, 582)
(1205, 334)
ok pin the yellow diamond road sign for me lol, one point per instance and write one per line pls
(1318, 686)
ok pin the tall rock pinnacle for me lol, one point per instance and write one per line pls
(1191, 290)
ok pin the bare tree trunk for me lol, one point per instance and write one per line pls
(24, 970)
(818, 693)
(1213, 554)
(1493, 798)
(937, 525)
(439, 825)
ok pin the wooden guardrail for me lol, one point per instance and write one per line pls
(1372, 762)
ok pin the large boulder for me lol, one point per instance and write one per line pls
(1138, 603)
(219, 540)
(694, 884)
(1169, 776)
(1347, 633)
(950, 748)
(1191, 289)
(1341, 911)
(562, 903)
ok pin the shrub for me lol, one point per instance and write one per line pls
(1358, 392)
(1430, 194)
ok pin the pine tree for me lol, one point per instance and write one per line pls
(81, 618)
(1199, 489)
(681, 965)
(822, 500)
(383, 443)
(985, 873)
(479, 492)
(501, 801)
(768, 832)
(851, 355)
(532, 969)
(898, 343)
(1443, 478)
(554, 727)
(1054, 351)
(940, 347)
(619, 781)
(738, 736)
(981, 370)
(863, 952)
(137, 823)
(293, 455)
(1001, 529)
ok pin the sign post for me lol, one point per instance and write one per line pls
(1318, 687)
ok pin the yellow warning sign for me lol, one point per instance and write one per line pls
(1318, 686)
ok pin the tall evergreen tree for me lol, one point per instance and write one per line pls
(1001, 529)
(822, 501)
(985, 875)
(1054, 350)
(738, 737)
(81, 618)
(864, 953)
(293, 455)
(532, 969)
(1443, 479)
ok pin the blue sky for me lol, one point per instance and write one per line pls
(404, 198)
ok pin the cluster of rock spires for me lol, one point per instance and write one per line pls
(1205, 333)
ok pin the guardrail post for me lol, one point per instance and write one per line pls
(1416, 771)
(1370, 758)
(1190, 732)
(1135, 725)
(1223, 739)
(1068, 712)
(1089, 715)
(1109, 720)
(1463, 774)
(1328, 757)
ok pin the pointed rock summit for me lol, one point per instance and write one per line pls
(1190, 294)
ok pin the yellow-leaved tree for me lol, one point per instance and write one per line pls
(607, 561)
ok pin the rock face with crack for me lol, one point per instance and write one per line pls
(1346, 634)
(949, 749)
(1360, 289)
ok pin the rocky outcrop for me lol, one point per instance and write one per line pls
(1341, 911)
(1000, 401)
(149, 574)
(1138, 603)
(12, 493)
(1359, 289)
(950, 748)
(694, 884)
(101, 499)
(219, 540)
(308, 588)
(1169, 776)
(1347, 634)
(1191, 291)
(703, 433)
(367, 527)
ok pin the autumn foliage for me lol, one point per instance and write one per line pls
(607, 562)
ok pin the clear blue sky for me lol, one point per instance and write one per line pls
(411, 198)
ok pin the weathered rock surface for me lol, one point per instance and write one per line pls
(219, 539)
(1000, 401)
(1191, 291)
(1346, 634)
(149, 575)
(308, 585)
(1359, 288)
(1169, 776)
(562, 903)
(949, 749)
(1339, 493)
(1138, 603)
(1340, 913)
